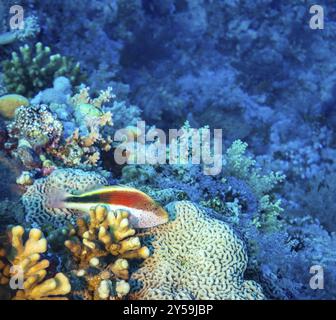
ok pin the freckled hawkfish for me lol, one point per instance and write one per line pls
(144, 211)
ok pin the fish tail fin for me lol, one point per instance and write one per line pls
(57, 199)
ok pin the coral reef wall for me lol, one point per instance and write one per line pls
(78, 71)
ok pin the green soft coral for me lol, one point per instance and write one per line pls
(269, 211)
(242, 166)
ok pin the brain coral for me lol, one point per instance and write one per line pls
(195, 257)
(35, 200)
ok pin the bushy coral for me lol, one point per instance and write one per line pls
(59, 94)
(85, 145)
(68, 131)
(303, 244)
(29, 28)
(244, 167)
(240, 191)
(317, 198)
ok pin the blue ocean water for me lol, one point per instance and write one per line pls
(81, 80)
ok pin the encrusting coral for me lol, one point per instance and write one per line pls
(24, 264)
(9, 103)
(35, 200)
(194, 256)
(102, 246)
(35, 68)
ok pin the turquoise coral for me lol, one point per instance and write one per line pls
(244, 167)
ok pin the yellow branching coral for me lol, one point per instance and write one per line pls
(90, 139)
(102, 246)
(106, 119)
(93, 159)
(25, 260)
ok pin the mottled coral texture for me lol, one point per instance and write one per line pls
(37, 125)
(194, 257)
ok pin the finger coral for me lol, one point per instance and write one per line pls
(194, 257)
(35, 68)
(102, 246)
(35, 200)
(28, 271)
